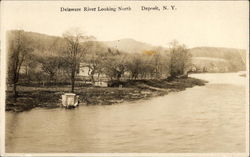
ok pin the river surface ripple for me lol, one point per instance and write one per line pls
(201, 119)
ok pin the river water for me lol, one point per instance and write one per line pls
(201, 119)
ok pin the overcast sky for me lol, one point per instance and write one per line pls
(203, 23)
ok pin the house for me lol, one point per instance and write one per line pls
(83, 73)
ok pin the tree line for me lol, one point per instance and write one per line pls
(59, 60)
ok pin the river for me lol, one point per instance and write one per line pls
(202, 119)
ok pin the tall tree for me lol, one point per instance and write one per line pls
(50, 62)
(115, 64)
(18, 50)
(180, 59)
(74, 52)
(134, 65)
(94, 58)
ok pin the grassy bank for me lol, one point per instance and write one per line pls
(132, 90)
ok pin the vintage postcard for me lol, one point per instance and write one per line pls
(124, 78)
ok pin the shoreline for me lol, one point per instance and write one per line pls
(132, 90)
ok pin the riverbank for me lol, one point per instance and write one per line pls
(132, 90)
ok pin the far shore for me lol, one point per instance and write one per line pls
(50, 96)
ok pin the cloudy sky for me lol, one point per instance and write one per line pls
(202, 23)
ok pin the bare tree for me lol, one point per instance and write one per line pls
(135, 65)
(74, 52)
(18, 50)
(115, 64)
(180, 59)
(94, 59)
(50, 65)
(50, 61)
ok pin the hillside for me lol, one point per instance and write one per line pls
(129, 45)
(228, 59)
(214, 59)
(218, 52)
(209, 59)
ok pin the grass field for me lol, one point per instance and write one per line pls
(132, 90)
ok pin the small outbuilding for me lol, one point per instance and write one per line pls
(70, 100)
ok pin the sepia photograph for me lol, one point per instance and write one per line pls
(124, 78)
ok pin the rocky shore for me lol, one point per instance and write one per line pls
(131, 90)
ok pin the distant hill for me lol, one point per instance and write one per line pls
(218, 52)
(41, 43)
(212, 59)
(42, 40)
(129, 45)
(216, 59)
(224, 59)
